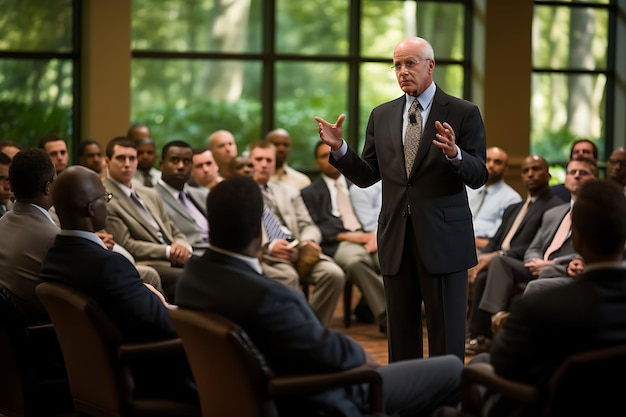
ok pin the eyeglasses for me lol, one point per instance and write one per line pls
(107, 196)
(618, 162)
(580, 172)
(397, 67)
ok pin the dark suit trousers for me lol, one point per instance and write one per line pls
(445, 304)
(170, 275)
(503, 275)
(479, 322)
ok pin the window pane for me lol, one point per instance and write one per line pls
(36, 25)
(312, 27)
(305, 90)
(432, 17)
(449, 78)
(200, 26)
(383, 25)
(35, 99)
(565, 108)
(188, 99)
(570, 38)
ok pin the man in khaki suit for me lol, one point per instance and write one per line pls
(138, 221)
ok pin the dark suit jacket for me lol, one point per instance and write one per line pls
(111, 280)
(527, 229)
(317, 199)
(278, 319)
(544, 328)
(435, 190)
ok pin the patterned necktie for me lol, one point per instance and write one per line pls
(506, 243)
(196, 214)
(560, 236)
(147, 215)
(273, 226)
(412, 136)
(349, 219)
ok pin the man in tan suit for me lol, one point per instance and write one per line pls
(280, 254)
(138, 221)
(27, 230)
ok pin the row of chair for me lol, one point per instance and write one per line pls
(232, 377)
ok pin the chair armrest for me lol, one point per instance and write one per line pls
(483, 374)
(129, 351)
(364, 374)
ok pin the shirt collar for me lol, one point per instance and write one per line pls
(85, 235)
(252, 262)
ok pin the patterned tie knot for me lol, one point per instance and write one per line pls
(412, 136)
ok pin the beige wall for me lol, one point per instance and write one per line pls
(105, 87)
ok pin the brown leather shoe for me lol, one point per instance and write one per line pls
(497, 320)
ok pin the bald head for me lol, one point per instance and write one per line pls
(79, 199)
(282, 141)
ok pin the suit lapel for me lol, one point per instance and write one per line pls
(174, 203)
(438, 111)
(153, 207)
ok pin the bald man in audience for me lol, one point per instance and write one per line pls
(284, 173)
(224, 148)
(78, 258)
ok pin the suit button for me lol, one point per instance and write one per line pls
(403, 214)
(408, 185)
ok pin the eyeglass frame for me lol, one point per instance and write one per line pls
(107, 196)
(410, 64)
(617, 162)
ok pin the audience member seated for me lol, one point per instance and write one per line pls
(5, 186)
(343, 238)
(9, 147)
(146, 174)
(27, 230)
(289, 234)
(580, 147)
(550, 250)
(204, 169)
(284, 327)
(489, 201)
(56, 147)
(185, 205)
(137, 218)
(242, 165)
(520, 221)
(616, 167)
(284, 173)
(224, 148)
(90, 156)
(78, 258)
(544, 328)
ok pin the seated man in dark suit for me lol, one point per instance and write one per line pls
(546, 327)
(343, 238)
(138, 221)
(284, 326)
(520, 223)
(79, 258)
(549, 252)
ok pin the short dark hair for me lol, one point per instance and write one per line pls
(317, 146)
(176, 143)
(576, 142)
(83, 145)
(199, 150)
(30, 170)
(599, 215)
(123, 141)
(5, 159)
(262, 144)
(7, 142)
(235, 209)
(49, 138)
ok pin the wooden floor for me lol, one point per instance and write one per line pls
(374, 342)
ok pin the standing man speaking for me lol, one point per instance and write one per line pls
(425, 146)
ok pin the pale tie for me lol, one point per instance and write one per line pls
(506, 243)
(477, 201)
(560, 236)
(349, 219)
(147, 215)
(3, 209)
(273, 227)
(196, 214)
(412, 136)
